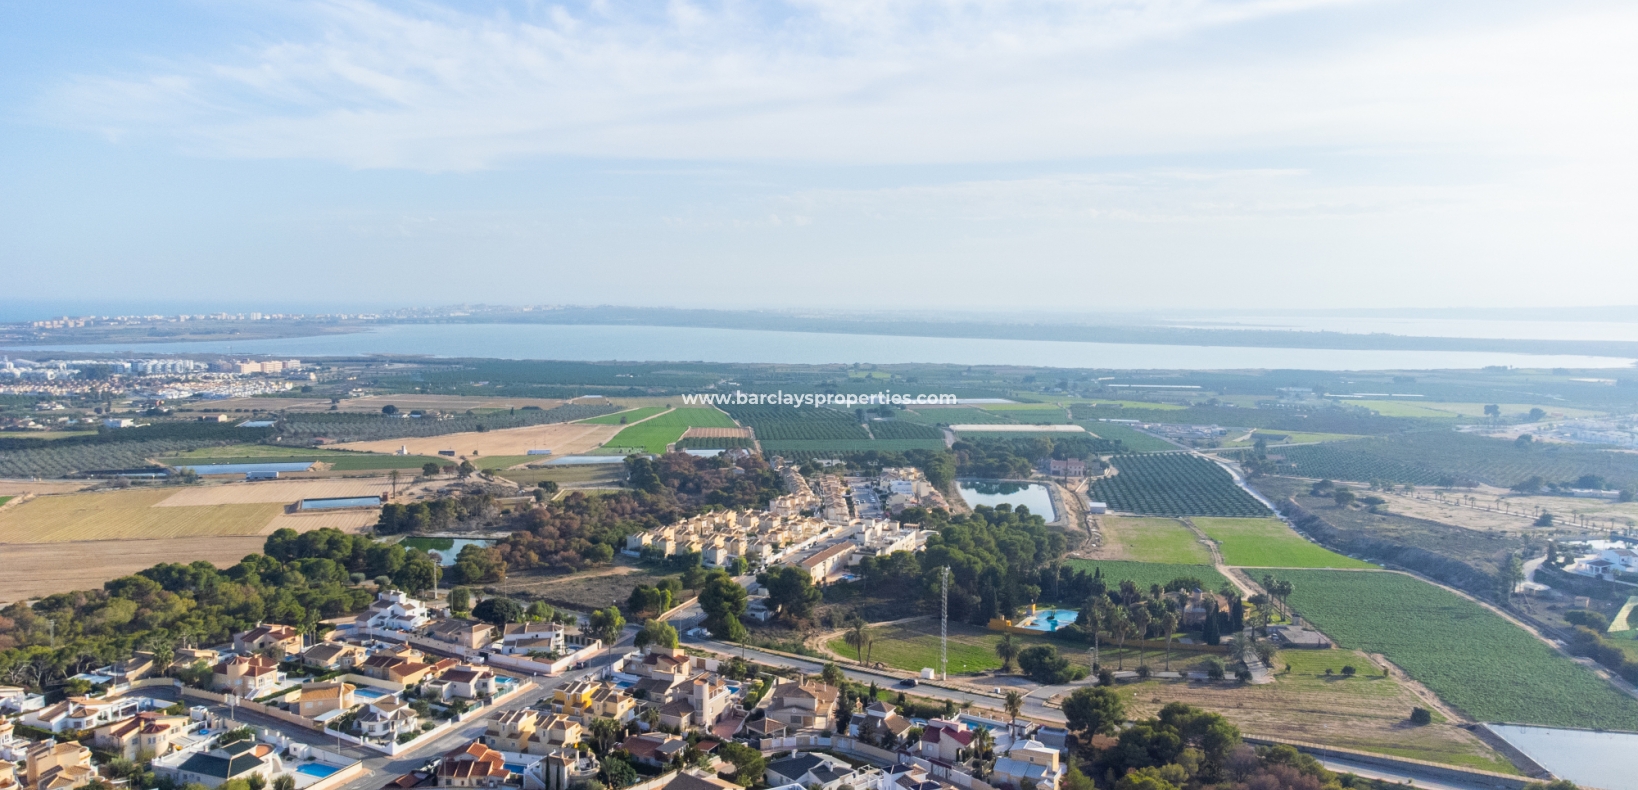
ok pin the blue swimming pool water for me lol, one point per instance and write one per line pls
(366, 692)
(239, 469)
(316, 769)
(331, 503)
(514, 768)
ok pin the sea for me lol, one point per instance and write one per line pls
(625, 343)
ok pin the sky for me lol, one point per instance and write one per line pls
(856, 154)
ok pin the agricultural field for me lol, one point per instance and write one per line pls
(798, 434)
(273, 491)
(38, 569)
(1028, 412)
(1278, 438)
(1461, 411)
(715, 443)
(372, 404)
(952, 415)
(1173, 484)
(367, 428)
(335, 461)
(571, 476)
(1146, 574)
(656, 433)
(127, 449)
(1269, 543)
(1498, 509)
(1162, 540)
(1430, 458)
(1124, 404)
(626, 417)
(1460, 650)
(561, 438)
(5, 499)
(1134, 440)
(128, 515)
(1367, 712)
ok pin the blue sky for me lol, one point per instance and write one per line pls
(849, 153)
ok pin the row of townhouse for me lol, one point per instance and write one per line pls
(760, 538)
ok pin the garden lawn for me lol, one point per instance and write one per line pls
(913, 646)
(1269, 543)
(1468, 655)
(1162, 540)
(1145, 574)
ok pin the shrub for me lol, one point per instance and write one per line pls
(1421, 716)
(1348, 670)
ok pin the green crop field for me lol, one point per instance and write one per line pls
(1275, 438)
(1134, 440)
(5, 499)
(653, 435)
(629, 416)
(1450, 458)
(1174, 484)
(1161, 540)
(800, 433)
(954, 415)
(913, 646)
(1468, 655)
(1124, 404)
(1269, 543)
(1145, 574)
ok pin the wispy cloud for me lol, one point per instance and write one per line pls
(435, 88)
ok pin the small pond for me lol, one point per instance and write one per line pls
(447, 549)
(1031, 495)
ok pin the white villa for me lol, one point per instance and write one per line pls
(395, 611)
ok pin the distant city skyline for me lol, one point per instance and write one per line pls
(1102, 156)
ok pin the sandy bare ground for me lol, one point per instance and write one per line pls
(717, 433)
(344, 520)
(1513, 513)
(560, 438)
(22, 487)
(283, 491)
(373, 403)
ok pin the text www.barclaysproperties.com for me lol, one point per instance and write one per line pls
(800, 399)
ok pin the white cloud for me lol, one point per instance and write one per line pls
(871, 82)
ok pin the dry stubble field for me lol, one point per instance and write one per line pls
(40, 569)
(371, 404)
(127, 515)
(560, 438)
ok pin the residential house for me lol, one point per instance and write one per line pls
(137, 667)
(469, 682)
(394, 669)
(332, 655)
(1199, 605)
(517, 638)
(83, 713)
(189, 656)
(16, 699)
(585, 700)
(882, 723)
(394, 610)
(475, 765)
(388, 718)
(8, 775)
(149, 733)
(944, 740)
(246, 676)
(469, 634)
(58, 766)
(766, 728)
(829, 562)
(654, 749)
(511, 731)
(555, 732)
(274, 640)
(809, 770)
(808, 705)
(1028, 764)
(237, 760)
(317, 699)
(560, 769)
(692, 779)
(1068, 467)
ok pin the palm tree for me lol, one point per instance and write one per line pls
(1140, 626)
(1015, 706)
(1168, 623)
(1006, 650)
(983, 748)
(857, 636)
(1119, 626)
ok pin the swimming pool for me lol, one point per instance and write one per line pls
(1049, 620)
(332, 503)
(514, 768)
(365, 692)
(316, 769)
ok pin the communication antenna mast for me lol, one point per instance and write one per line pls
(944, 624)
